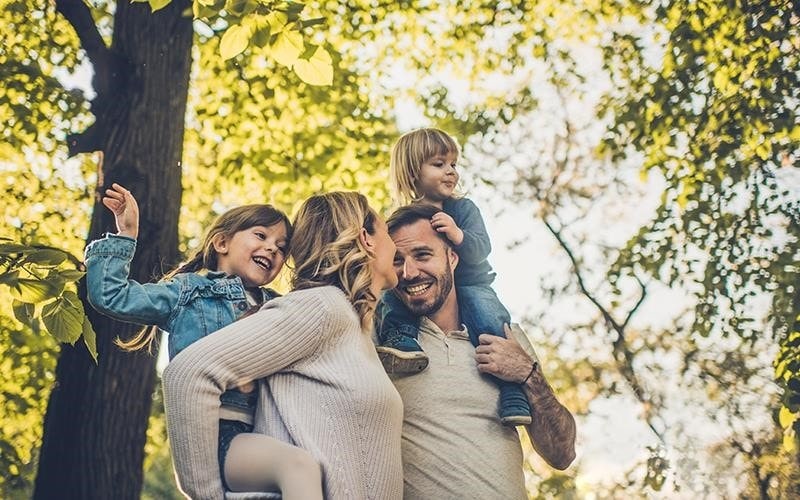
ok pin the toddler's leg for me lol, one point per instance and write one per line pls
(483, 312)
(256, 462)
(397, 331)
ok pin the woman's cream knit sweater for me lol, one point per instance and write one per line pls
(324, 390)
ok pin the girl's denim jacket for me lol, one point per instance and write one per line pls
(188, 306)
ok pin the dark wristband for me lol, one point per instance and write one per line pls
(533, 369)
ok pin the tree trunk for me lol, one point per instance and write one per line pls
(97, 415)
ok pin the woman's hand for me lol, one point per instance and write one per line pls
(125, 209)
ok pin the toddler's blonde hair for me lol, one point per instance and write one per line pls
(409, 153)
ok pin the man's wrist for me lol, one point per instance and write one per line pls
(534, 367)
(539, 391)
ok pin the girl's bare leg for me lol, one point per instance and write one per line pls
(256, 462)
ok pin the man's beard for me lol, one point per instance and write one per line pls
(444, 282)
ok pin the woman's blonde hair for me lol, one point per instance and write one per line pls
(226, 225)
(409, 153)
(327, 249)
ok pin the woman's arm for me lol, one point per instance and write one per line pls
(286, 330)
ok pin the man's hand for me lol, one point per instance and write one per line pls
(552, 431)
(503, 357)
(125, 209)
(443, 223)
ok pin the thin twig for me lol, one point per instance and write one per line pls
(622, 355)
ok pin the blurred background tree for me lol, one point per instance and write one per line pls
(671, 127)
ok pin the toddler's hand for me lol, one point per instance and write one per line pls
(125, 209)
(443, 223)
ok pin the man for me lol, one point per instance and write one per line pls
(453, 444)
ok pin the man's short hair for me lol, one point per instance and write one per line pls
(409, 214)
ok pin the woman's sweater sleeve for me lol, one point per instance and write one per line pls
(285, 331)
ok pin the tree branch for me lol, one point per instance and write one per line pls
(110, 73)
(579, 275)
(638, 302)
(622, 355)
(80, 17)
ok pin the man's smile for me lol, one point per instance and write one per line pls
(417, 288)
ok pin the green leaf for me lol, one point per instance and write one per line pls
(46, 257)
(294, 7)
(234, 41)
(9, 279)
(24, 312)
(261, 35)
(63, 318)
(240, 8)
(158, 4)
(14, 248)
(763, 150)
(317, 70)
(287, 47)
(793, 135)
(203, 9)
(307, 23)
(32, 291)
(277, 21)
(90, 338)
(786, 417)
(790, 442)
(71, 274)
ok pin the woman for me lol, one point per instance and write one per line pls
(326, 390)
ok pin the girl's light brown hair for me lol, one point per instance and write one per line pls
(327, 249)
(231, 222)
(409, 153)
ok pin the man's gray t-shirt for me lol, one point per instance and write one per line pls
(454, 445)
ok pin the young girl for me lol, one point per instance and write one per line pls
(423, 170)
(242, 251)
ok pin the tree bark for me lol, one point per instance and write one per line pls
(97, 414)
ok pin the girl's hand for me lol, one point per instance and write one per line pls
(443, 223)
(125, 209)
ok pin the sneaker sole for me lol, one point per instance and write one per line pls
(395, 361)
(515, 420)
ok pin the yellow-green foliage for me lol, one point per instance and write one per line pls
(715, 112)
(27, 362)
(289, 99)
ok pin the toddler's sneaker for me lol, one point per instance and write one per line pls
(402, 354)
(514, 406)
